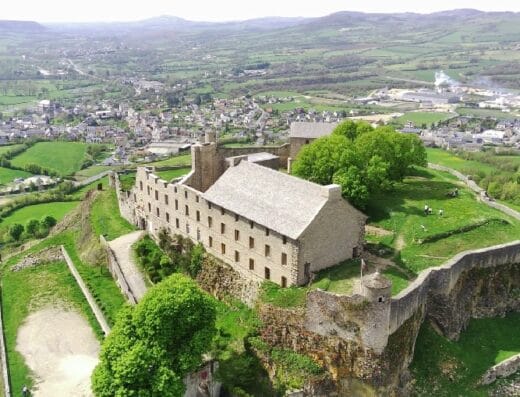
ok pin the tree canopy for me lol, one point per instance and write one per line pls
(155, 344)
(361, 159)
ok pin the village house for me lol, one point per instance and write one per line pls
(264, 223)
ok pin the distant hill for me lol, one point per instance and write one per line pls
(21, 26)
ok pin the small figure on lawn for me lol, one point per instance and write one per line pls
(426, 209)
(430, 211)
(25, 391)
(441, 212)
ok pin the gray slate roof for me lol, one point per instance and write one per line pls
(278, 201)
(301, 129)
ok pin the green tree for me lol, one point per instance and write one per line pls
(32, 227)
(351, 129)
(197, 256)
(49, 221)
(15, 231)
(155, 344)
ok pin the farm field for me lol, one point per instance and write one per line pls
(454, 368)
(38, 211)
(7, 175)
(420, 118)
(65, 158)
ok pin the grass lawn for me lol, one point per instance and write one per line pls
(105, 217)
(419, 241)
(80, 193)
(7, 175)
(454, 368)
(63, 157)
(170, 174)
(447, 159)
(183, 159)
(419, 118)
(7, 148)
(38, 211)
(28, 290)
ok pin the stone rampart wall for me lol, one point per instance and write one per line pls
(501, 370)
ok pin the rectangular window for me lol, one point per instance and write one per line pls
(149, 207)
(251, 242)
(187, 228)
(210, 221)
(251, 264)
(266, 231)
(210, 241)
(177, 223)
(284, 240)
(175, 189)
(252, 224)
(222, 228)
(167, 217)
(209, 205)
(197, 199)
(267, 250)
(141, 185)
(198, 215)
(157, 195)
(176, 204)
(284, 282)
(223, 248)
(267, 273)
(284, 258)
(148, 190)
(237, 235)
(236, 217)
(222, 211)
(237, 256)
(157, 211)
(186, 210)
(166, 199)
(185, 194)
(135, 198)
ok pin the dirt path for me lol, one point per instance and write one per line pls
(122, 248)
(61, 350)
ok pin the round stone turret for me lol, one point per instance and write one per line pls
(376, 288)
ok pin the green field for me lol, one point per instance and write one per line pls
(183, 159)
(420, 118)
(7, 148)
(483, 113)
(170, 174)
(38, 211)
(447, 159)
(65, 158)
(105, 217)
(454, 368)
(419, 241)
(28, 290)
(7, 175)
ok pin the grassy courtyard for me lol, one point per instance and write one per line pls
(175, 173)
(65, 158)
(105, 217)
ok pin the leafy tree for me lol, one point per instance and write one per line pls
(15, 231)
(32, 227)
(352, 129)
(49, 221)
(197, 256)
(155, 344)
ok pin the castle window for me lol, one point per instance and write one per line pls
(284, 282)
(141, 185)
(166, 199)
(222, 211)
(157, 195)
(135, 198)
(175, 189)
(251, 264)
(307, 141)
(197, 199)
(223, 248)
(167, 217)
(381, 299)
(267, 250)
(187, 228)
(177, 223)
(222, 228)
(157, 211)
(237, 235)
(251, 242)
(236, 217)
(209, 205)
(237, 256)
(198, 234)
(198, 215)
(186, 210)
(148, 190)
(185, 194)
(210, 241)
(252, 224)
(266, 231)
(267, 273)
(176, 204)
(284, 239)
(284, 258)
(149, 207)
(210, 221)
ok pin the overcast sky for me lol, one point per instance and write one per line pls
(223, 10)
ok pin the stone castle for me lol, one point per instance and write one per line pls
(264, 223)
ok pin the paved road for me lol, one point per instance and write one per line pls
(122, 248)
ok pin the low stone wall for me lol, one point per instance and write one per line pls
(501, 370)
(51, 254)
(117, 273)
(437, 282)
(282, 151)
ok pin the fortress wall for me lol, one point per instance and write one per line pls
(282, 151)
(442, 280)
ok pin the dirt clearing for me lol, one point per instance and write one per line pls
(61, 350)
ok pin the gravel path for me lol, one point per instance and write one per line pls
(122, 248)
(61, 350)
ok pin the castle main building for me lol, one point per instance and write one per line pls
(262, 222)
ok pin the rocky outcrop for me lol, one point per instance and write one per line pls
(52, 254)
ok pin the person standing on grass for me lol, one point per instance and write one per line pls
(25, 391)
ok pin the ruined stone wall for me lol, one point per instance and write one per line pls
(501, 370)
(125, 199)
(283, 152)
